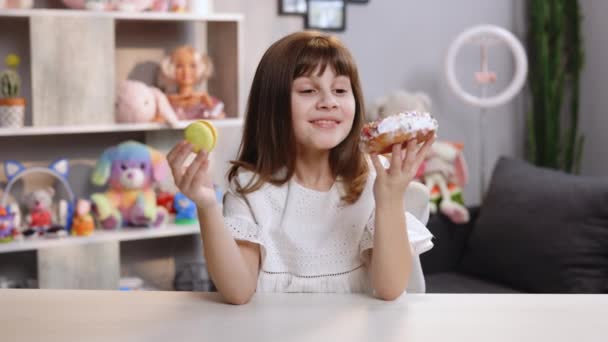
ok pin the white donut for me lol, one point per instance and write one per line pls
(379, 136)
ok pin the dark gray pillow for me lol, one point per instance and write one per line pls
(542, 231)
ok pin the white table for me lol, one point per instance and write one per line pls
(80, 315)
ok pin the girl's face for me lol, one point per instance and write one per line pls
(185, 68)
(323, 110)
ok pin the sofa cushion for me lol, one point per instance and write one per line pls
(453, 282)
(541, 230)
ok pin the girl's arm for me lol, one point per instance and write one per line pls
(233, 266)
(391, 260)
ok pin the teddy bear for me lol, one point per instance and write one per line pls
(131, 170)
(398, 101)
(445, 172)
(138, 102)
(38, 203)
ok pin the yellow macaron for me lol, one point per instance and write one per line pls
(202, 135)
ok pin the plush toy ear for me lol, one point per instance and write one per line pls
(164, 107)
(160, 167)
(101, 173)
(12, 168)
(61, 166)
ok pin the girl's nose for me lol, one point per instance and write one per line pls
(327, 101)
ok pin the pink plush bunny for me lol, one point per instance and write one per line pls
(138, 102)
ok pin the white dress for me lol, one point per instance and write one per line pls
(309, 240)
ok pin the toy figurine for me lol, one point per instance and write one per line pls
(7, 225)
(83, 224)
(185, 209)
(187, 69)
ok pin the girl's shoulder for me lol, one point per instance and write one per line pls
(246, 177)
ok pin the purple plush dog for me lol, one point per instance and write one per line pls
(130, 169)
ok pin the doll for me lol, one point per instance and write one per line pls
(187, 68)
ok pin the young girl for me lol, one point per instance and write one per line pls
(305, 211)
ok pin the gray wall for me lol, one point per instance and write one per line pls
(401, 45)
(593, 116)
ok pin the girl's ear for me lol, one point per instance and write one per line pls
(160, 167)
(101, 173)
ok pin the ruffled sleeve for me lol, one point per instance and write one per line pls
(419, 236)
(239, 218)
(416, 215)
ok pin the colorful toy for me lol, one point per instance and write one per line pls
(39, 201)
(445, 172)
(7, 225)
(131, 169)
(202, 135)
(83, 224)
(187, 69)
(185, 209)
(137, 102)
(165, 200)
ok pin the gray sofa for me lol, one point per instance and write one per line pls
(537, 231)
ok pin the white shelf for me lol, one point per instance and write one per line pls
(99, 235)
(108, 128)
(135, 16)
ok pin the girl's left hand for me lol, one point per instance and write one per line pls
(391, 183)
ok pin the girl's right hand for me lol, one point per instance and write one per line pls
(193, 181)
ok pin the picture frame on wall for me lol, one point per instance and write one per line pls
(326, 15)
(292, 7)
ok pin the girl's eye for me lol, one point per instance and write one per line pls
(307, 91)
(341, 91)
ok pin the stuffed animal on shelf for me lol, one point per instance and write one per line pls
(130, 169)
(138, 102)
(38, 203)
(187, 69)
(83, 223)
(398, 101)
(445, 173)
(44, 217)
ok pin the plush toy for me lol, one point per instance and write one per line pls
(398, 101)
(445, 172)
(83, 224)
(187, 69)
(38, 203)
(131, 169)
(137, 102)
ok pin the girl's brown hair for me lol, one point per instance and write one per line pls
(268, 143)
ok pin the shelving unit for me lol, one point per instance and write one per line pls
(98, 236)
(71, 61)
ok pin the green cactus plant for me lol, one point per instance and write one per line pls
(556, 61)
(10, 82)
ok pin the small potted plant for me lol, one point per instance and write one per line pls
(12, 106)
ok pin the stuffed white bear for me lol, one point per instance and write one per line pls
(398, 101)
